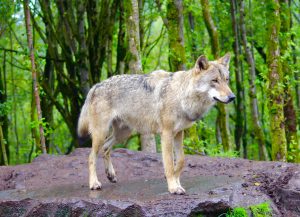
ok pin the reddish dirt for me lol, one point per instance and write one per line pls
(58, 185)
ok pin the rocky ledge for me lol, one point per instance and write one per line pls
(57, 186)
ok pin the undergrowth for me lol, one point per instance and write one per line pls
(259, 210)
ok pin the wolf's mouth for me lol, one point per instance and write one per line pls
(215, 98)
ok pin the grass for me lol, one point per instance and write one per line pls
(237, 212)
(259, 210)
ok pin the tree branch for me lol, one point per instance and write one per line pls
(24, 53)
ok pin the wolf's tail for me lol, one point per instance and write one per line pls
(83, 121)
(83, 125)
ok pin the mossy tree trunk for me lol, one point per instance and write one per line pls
(193, 35)
(121, 48)
(141, 4)
(174, 19)
(288, 73)
(275, 82)
(4, 157)
(3, 147)
(257, 129)
(109, 45)
(133, 58)
(133, 37)
(177, 57)
(222, 119)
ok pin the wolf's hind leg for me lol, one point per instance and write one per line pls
(167, 142)
(98, 137)
(120, 133)
(109, 169)
(179, 157)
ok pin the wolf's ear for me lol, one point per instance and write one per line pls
(225, 60)
(202, 63)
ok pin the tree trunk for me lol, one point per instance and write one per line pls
(177, 57)
(14, 102)
(98, 22)
(82, 55)
(222, 118)
(193, 41)
(289, 110)
(224, 126)
(109, 47)
(46, 104)
(4, 158)
(93, 39)
(258, 132)
(121, 49)
(3, 148)
(141, 23)
(133, 36)
(134, 61)
(239, 123)
(35, 139)
(34, 75)
(275, 83)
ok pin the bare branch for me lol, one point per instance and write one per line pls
(24, 53)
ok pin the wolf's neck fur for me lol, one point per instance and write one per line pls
(193, 104)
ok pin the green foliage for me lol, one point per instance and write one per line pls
(218, 152)
(47, 128)
(206, 142)
(261, 210)
(237, 212)
(133, 143)
(6, 11)
(5, 108)
(37, 153)
(292, 151)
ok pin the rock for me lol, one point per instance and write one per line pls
(58, 186)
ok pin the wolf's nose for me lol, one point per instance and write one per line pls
(231, 97)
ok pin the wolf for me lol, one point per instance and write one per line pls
(161, 102)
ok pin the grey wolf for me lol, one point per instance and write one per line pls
(160, 102)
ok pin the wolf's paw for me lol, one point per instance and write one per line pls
(177, 190)
(95, 186)
(112, 178)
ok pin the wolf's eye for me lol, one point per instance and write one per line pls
(227, 79)
(215, 80)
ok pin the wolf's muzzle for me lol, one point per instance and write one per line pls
(231, 97)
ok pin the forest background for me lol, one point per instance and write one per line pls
(72, 44)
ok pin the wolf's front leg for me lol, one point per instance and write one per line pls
(179, 156)
(167, 139)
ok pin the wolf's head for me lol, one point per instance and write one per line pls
(212, 77)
